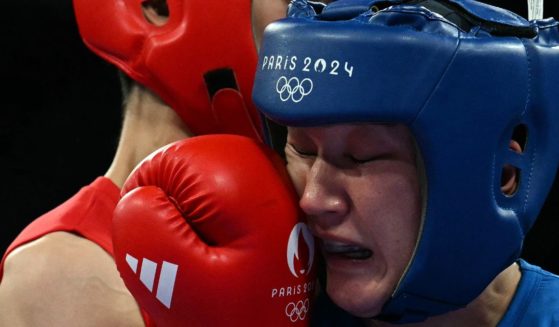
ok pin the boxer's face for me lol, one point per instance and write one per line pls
(358, 185)
(263, 13)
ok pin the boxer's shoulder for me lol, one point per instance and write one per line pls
(62, 279)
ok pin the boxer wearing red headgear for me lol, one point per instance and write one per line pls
(204, 49)
(56, 272)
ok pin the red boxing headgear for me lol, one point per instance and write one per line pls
(201, 62)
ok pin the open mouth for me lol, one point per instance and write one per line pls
(345, 250)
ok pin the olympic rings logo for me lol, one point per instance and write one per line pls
(293, 88)
(297, 311)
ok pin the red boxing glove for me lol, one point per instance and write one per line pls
(208, 233)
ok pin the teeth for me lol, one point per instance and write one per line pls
(337, 247)
(347, 250)
(359, 255)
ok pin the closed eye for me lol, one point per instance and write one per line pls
(367, 159)
(361, 160)
(301, 152)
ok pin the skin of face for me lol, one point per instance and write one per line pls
(359, 186)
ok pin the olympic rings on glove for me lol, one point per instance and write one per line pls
(297, 311)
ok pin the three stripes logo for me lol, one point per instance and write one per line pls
(147, 271)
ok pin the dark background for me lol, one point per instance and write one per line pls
(60, 114)
(60, 120)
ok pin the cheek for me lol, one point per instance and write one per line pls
(298, 174)
(390, 207)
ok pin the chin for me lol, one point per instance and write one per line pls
(363, 299)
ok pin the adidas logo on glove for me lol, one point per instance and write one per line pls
(166, 281)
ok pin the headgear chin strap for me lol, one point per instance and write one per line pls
(201, 62)
(463, 85)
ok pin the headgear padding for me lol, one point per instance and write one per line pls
(463, 85)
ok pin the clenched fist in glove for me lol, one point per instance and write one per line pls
(208, 233)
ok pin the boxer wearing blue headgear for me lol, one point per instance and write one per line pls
(371, 88)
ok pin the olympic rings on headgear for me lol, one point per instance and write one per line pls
(293, 89)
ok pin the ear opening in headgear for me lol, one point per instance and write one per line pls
(221, 78)
(156, 12)
(510, 180)
(510, 173)
(520, 135)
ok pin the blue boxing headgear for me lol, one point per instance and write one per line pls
(464, 77)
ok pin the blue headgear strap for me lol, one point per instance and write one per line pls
(463, 76)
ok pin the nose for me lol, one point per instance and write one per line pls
(324, 198)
